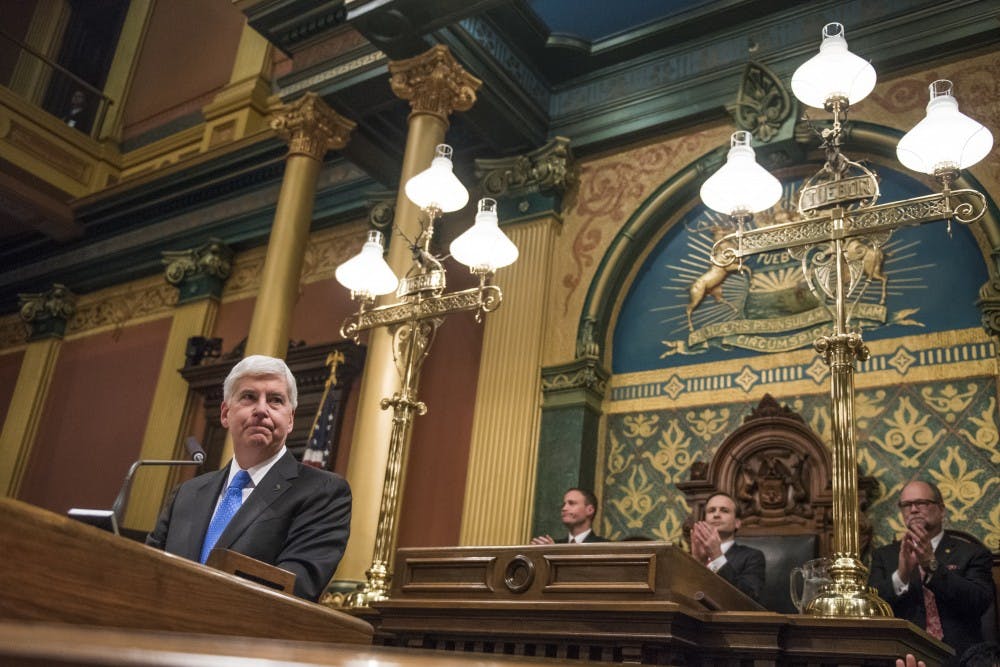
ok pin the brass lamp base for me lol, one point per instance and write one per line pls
(375, 589)
(848, 595)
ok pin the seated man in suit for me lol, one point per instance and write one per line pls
(264, 503)
(578, 509)
(935, 581)
(713, 543)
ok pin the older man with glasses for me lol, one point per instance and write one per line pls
(942, 584)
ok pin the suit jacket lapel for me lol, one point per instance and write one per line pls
(945, 552)
(734, 555)
(276, 482)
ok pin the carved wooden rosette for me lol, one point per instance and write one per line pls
(763, 104)
(434, 83)
(310, 127)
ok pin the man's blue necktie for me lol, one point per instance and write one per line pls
(231, 502)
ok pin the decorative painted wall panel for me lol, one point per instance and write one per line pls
(926, 402)
(943, 430)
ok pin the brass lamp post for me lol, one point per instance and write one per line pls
(839, 219)
(413, 321)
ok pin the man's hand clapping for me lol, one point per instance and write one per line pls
(706, 545)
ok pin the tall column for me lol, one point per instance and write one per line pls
(505, 428)
(567, 443)
(311, 129)
(46, 314)
(199, 275)
(435, 85)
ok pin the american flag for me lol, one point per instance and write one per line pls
(317, 452)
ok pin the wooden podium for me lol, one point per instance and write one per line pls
(59, 570)
(631, 602)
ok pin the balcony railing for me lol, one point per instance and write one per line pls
(52, 87)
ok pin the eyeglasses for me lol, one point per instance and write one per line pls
(920, 504)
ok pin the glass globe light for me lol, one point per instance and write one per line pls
(741, 185)
(367, 273)
(484, 247)
(946, 139)
(833, 72)
(437, 187)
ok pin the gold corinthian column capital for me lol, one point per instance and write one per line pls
(310, 127)
(434, 83)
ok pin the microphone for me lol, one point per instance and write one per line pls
(194, 449)
(112, 519)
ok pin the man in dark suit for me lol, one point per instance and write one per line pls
(931, 579)
(578, 509)
(713, 543)
(264, 503)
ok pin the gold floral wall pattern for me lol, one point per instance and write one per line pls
(938, 431)
(609, 190)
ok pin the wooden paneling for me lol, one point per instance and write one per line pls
(58, 570)
(94, 417)
(639, 602)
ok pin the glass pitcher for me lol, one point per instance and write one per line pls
(814, 574)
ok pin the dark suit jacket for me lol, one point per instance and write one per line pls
(594, 537)
(744, 569)
(298, 518)
(962, 585)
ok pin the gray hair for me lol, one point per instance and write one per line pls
(258, 364)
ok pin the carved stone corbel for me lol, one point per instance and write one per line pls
(47, 313)
(199, 272)
(549, 168)
(989, 303)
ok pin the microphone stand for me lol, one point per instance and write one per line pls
(117, 512)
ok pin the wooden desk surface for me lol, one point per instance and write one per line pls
(60, 570)
(39, 644)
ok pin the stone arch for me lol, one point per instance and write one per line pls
(644, 226)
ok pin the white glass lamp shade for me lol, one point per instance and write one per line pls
(437, 186)
(833, 72)
(945, 139)
(367, 272)
(484, 246)
(741, 185)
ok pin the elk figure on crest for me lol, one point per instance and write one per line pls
(710, 282)
(872, 261)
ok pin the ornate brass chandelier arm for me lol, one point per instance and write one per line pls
(964, 206)
(486, 298)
